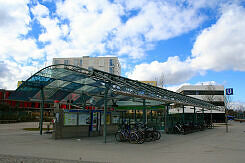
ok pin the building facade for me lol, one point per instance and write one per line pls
(213, 94)
(107, 64)
(153, 83)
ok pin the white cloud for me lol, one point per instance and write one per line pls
(174, 70)
(40, 11)
(16, 51)
(176, 87)
(156, 20)
(221, 47)
(97, 26)
(79, 28)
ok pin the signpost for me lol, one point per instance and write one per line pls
(228, 92)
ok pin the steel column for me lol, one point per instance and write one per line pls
(105, 113)
(41, 112)
(166, 118)
(144, 112)
(195, 116)
(183, 115)
(134, 115)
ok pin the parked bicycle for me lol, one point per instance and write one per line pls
(138, 134)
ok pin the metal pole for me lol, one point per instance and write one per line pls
(144, 112)
(195, 116)
(203, 115)
(183, 116)
(166, 118)
(226, 120)
(135, 115)
(41, 112)
(105, 111)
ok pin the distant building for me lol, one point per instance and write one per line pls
(19, 83)
(153, 83)
(107, 64)
(213, 94)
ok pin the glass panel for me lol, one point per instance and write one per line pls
(111, 70)
(76, 63)
(56, 62)
(66, 62)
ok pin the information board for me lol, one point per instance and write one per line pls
(70, 119)
(108, 119)
(83, 118)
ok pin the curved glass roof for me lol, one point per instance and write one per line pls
(86, 87)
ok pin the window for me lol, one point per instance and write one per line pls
(111, 70)
(90, 67)
(202, 92)
(101, 63)
(111, 62)
(81, 62)
(56, 62)
(197, 92)
(76, 62)
(66, 62)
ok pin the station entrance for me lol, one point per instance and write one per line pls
(131, 101)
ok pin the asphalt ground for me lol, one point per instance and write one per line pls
(208, 146)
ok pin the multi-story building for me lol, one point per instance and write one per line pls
(213, 94)
(107, 64)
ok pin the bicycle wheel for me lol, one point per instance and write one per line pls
(133, 138)
(158, 135)
(141, 138)
(119, 136)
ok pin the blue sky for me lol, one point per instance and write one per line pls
(186, 41)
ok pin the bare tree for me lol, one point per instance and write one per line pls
(161, 80)
(228, 102)
(211, 96)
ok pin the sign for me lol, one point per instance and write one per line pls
(70, 119)
(229, 91)
(83, 118)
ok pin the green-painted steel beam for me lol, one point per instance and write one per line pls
(41, 112)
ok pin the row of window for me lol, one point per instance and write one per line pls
(80, 62)
(202, 92)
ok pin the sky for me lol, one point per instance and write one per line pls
(185, 41)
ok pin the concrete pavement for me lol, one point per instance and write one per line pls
(209, 146)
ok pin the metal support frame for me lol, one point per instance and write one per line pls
(105, 112)
(41, 112)
(183, 115)
(195, 115)
(119, 84)
(203, 116)
(144, 112)
(135, 118)
(166, 118)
